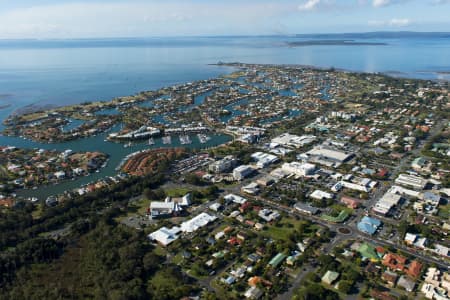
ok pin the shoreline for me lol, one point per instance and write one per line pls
(180, 107)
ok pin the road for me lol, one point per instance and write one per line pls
(350, 226)
(356, 234)
(298, 279)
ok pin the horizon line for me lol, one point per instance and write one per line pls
(228, 35)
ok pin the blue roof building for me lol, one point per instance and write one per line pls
(369, 225)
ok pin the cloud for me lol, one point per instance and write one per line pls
(309, 5)
(380, 3)
(395, 22)
(322, 5)
(143, 18)
(383, 3)
(399, 22)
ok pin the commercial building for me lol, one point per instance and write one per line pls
(166, 208)
(292, 140)
(368, 225)
(359, 184)
(226, 164)
(415, 182)
(242, 172)
(327, 154)
(164, 236)
(306, 208)
(197, 222)
(266, 180)
(437, 284)
(321, 195)
(251, 188)
(169, 206)
(299, 169)
(235, 199)
(264, 159)
(384, 205)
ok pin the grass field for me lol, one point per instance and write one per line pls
(285, 227)
(444, 211)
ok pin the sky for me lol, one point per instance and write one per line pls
(146, 18)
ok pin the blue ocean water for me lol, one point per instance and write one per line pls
(72, 71)
(61, 72)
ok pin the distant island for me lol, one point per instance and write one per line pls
(376, 34)
(333, 43)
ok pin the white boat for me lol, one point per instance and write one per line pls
(203, 138)
(167, 140)
(151, 141)
(185, 140)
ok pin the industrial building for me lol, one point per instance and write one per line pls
(292, 140)
(299, 169)
(328, 155)
(415, 182)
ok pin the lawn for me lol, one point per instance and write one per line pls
(282, 229)
(177, 192)
(37, 211)
(444, 211)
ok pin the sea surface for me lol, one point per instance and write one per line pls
(60, 72)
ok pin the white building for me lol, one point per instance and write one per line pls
(415, 182)
(320, 195)
(165, 236)
(215, 206)
(60, 175)
(164, 208)
(224, 165)
(292, 140)
(384, 205)
(327, 152)
(264, 159)
(437, 285)
(235, 199)
(251, 188)
(197, 222)
(364, 185)
(268, 215)
(242, 172)
(299, 169)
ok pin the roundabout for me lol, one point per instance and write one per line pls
(344, 230)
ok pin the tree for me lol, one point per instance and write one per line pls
(149, 194)
(193, 179)
(345, 286)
